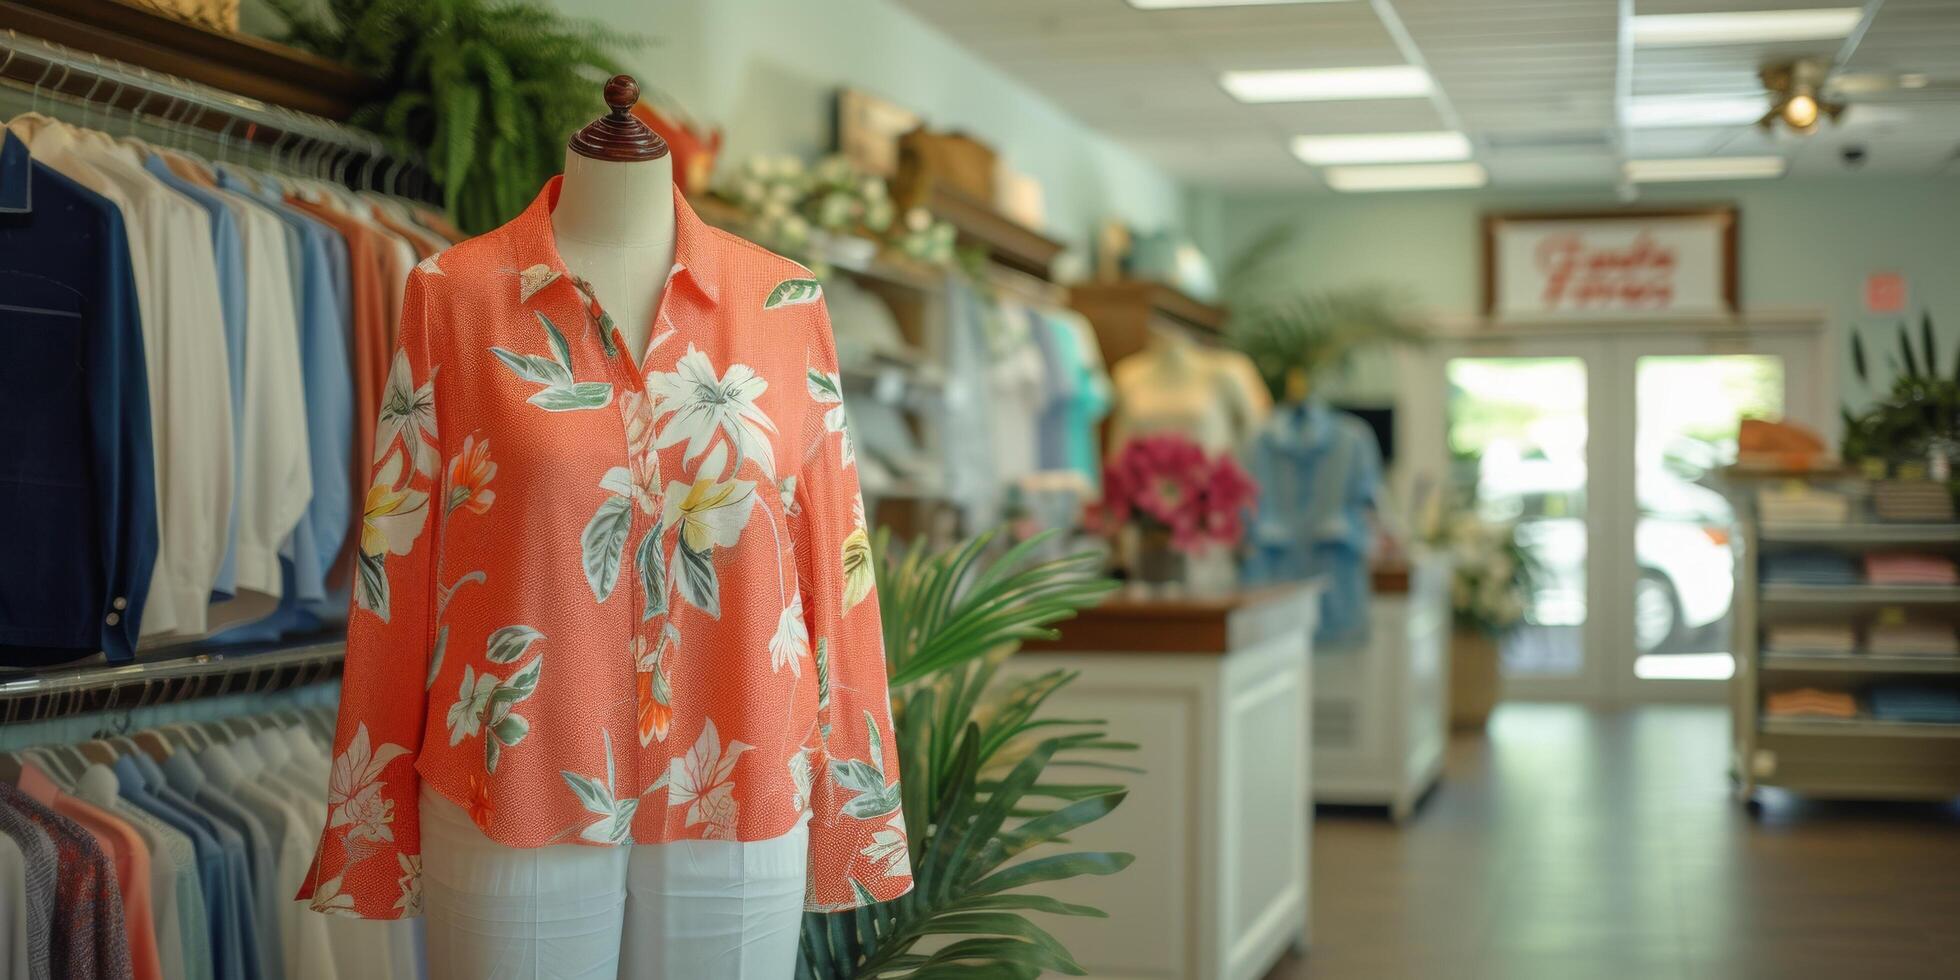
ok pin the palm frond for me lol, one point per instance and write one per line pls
(974, 757)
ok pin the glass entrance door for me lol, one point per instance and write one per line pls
(1603, 449)
(1674, 582)
(1517, 434)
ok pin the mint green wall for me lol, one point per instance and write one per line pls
(766, 70)
(1805, 243)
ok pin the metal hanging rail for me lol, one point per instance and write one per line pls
(60, 693)
(49, 69)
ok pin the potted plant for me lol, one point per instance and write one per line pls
(485, 92)
(986, 809)
(1296, 335)
(1164, 500)
(1913, 428)
(1490, 585)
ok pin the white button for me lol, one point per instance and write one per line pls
(113, 618)
(120, 603)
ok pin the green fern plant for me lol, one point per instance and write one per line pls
(975, 760)
(486, 92)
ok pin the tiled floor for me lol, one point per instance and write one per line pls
(1584, 844)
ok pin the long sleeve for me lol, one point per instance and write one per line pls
(369, 859)
(120, 426)
(857, 831)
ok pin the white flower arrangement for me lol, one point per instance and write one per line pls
(1491, 575)
(791, 207)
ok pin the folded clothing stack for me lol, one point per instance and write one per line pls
(1909, 568)
(1802, 504)
(1837, 638)
(1916, 703)
(1809, 702)
(1926, 501)
(1914, 639)
(1810, 568)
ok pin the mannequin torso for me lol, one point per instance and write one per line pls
(615, 229)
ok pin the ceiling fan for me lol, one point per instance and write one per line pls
(1805, 92)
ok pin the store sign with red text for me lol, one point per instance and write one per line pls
(1610, 265)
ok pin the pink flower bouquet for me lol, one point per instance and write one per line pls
(1167, 483)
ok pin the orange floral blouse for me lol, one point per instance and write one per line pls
(608, 602)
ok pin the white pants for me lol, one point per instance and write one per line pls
(687, 910)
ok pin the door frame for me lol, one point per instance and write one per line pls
(1610, 352)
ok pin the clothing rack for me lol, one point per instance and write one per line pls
(61, 693)
(302, 141)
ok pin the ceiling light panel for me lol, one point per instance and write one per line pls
(1327, 84)
(1652, 112)
(1744, 26)
(1406, 177)
(1382, 148)
(1190, 4)
(1703, 168)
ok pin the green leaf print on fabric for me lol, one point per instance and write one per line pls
(604, 544)
(561, 393)
(793, 292)
(509, 643)
(653, 574)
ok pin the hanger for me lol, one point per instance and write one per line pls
(97, 751)
(153, 745)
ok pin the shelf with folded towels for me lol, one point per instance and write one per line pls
(1859, 663)
(1842, 595)
(1859, 727)
(1861, 534)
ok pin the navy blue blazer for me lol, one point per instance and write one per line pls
(78, 517)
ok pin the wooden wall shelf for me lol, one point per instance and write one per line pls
(242, 65)
(1006, 241)
(1124, 310)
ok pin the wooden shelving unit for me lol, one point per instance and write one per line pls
(249, 67)
(981, 225)
(1862, 758)
(1124, 311)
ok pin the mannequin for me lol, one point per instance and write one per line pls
(1176, 385)
(615, 216)
(693, 909)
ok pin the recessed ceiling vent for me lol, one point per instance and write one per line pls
(1543, 141)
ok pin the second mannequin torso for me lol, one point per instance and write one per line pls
(614, 224)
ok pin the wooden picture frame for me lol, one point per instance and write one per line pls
(1717, 290)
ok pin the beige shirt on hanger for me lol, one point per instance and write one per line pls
(184, 352)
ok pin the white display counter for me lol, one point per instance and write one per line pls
(1380, 711)
(1216, 693)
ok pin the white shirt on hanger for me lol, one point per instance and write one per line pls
(275, 478)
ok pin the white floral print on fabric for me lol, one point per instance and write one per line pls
(888, 848)
(827, 389)
(699, 781)
(792, 640)
(696, 405)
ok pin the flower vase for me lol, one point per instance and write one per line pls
(1473, 678)
(1156, 561)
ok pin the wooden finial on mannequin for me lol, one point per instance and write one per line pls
(619, 135)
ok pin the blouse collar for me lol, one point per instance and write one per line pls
(697, 247)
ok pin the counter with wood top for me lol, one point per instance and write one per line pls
(1215, 692)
